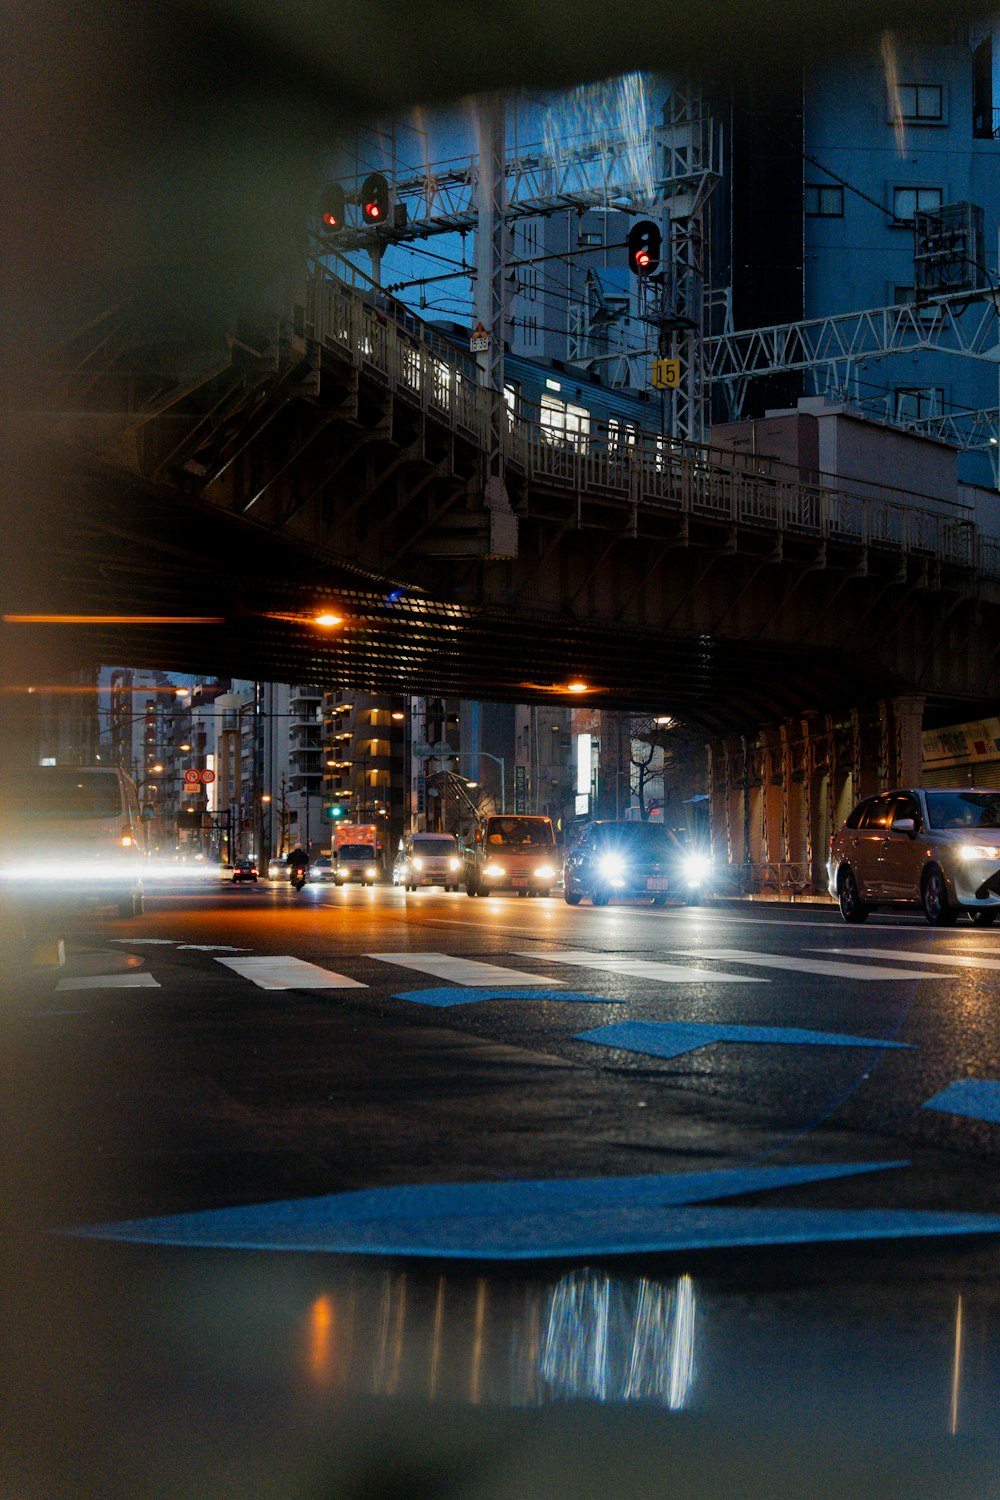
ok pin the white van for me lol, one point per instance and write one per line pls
(72, 832)
(428, 859)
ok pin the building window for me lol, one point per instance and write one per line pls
(914, 403)
(906, 201)
(590, 239)
(821, 201)
(905, 296)
(919, 103)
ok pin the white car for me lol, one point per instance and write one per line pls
(937, 848)
(428, 859)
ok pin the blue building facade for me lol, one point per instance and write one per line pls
(908, 125)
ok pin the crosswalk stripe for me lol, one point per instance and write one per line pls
(639, 968)
(807, 965)
(135, 979)
(956, 960)
(281, 972)
(465, 971)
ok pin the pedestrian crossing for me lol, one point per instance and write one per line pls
(283, 972)
(683, 967)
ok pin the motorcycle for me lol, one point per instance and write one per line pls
(298, 877)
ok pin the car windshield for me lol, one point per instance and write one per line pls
(963, 809)
(520, 833)
(434, 846)
(355, 851)
(637, 838)
(43, 792)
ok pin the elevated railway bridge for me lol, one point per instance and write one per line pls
(334, 456)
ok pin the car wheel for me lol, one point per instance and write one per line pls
(543, 892)
(599, 897)
(852, 908)
(937, 909)
(660, 900)
(470, 888)
(983, 918)
(572, 898)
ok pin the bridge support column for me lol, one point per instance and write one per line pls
(907, 749)
(772, 799)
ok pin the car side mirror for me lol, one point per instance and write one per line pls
(905, 825)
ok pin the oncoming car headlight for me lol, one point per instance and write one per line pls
(612, 865)
(545, 872)
(454, 864)
(418, 863)
(979, 851)
(494, 871)
(696, 868)
(371, 872)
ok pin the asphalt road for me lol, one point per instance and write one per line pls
(350, 1163)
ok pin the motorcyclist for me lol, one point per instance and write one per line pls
(298, 862)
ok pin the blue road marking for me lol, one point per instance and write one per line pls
(675, 1038)
(540, 1218)
(975, 1098)
(456, 995)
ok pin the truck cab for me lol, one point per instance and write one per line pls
(512, 852)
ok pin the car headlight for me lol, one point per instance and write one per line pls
(696, 868)
(494, 872)
(545, 872)
(611, 865)
(418, 864)
(371, 872)
(454, 864)
(979, 851)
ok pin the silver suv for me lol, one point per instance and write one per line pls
(929, 847)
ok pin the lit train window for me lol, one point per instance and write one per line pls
(621, 437)
(564, 423)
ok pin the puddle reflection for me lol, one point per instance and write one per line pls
(589, 1336)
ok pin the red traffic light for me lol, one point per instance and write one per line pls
(374, 199)
(645, 241)
(331, 207)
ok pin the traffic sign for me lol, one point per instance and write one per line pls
(479, 339)
(208, 777)
(192, 777)
(666, 374)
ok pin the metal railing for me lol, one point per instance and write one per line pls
(626, 464)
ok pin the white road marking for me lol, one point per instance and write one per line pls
(640, 968)
(464, 971)
(281, 972)
(957, 960)
(809, 965)
(148, 942)
(136, 979)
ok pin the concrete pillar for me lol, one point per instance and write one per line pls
(885, 769)
(908, 753)
(772, 793)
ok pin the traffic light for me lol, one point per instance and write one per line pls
(375, 199)
(334, 810)
(644, 242)
(331, 206)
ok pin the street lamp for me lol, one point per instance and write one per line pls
(473, 755)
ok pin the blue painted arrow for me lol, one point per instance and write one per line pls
(457, 995)
(975, 1098)
(675, 1038)
(538, 1219)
